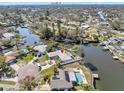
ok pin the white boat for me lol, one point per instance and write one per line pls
(105, 48)
(115, 57)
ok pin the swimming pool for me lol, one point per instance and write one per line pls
(79, 77)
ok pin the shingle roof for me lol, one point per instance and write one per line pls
(28, 70)
(61, 84)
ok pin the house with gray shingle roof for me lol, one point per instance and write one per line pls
(29, 70)
(64, 80)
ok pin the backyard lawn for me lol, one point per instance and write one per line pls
(47, 73)
(84, 69)
(43, 58)
(7, 82)
(2, 58)
(28, 57)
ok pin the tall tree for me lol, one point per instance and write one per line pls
(5, 70)
(17, 38)
(28, 83)
(47, 14)
(59, 26)
(53, 28)
(46, 33)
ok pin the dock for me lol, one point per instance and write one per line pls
(95, 76)
(71, 61)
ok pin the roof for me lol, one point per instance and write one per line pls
(61, 84)
(71, 76)
(61, 74)
(28, 70)
(8, 35)
(40, 48)
(11, 55)
(52, 54)
(62, 56)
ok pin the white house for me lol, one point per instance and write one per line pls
(40, 48)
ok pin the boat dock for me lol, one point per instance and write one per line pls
(71, 61)
(94, 77)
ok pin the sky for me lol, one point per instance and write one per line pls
(47, 3)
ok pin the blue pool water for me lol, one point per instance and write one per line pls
(79, 77)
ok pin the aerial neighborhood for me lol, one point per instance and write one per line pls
(42, 48)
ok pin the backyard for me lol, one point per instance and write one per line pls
(84, 69)
(7, 82)
(47, 73)
(26, 57)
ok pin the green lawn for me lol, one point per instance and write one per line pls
(44, 58)
(7, 82)
(28, 57)
(78, 87)
(1, 54)
(47, 73)
(103, 38)
(84, 87)
(119, 35)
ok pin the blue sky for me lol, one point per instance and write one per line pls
(46, 3)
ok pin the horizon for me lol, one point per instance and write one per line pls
(62, 3)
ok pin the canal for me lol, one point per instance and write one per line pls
(29, 37)
(110, 71)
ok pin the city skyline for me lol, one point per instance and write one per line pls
(63, 3)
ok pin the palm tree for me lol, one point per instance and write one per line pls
(77, 31)
(5, 70)
(46, 15)
(28, 83)
(59, 26)
(17, 38)
(53, 30)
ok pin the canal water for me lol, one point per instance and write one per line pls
(29, 37)
(100, 13)
(110, 71)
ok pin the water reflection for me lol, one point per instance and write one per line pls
(29, 37)
(110, 71)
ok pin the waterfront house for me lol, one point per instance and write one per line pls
(65, 79)
(59, 82)
(40, 48)
(63, 56)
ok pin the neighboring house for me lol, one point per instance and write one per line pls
(59, 81)
(65, 79)
(40, 48)
(29, 70)
(103, 33)
(11, 56)
(8, 35)
(24, 51)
